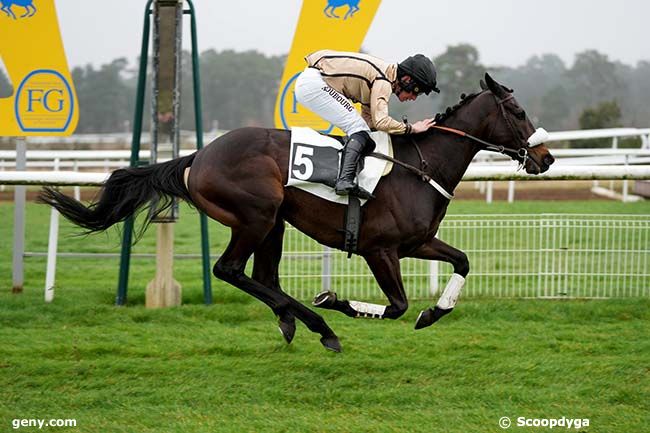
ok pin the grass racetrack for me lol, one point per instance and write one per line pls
(225, 368)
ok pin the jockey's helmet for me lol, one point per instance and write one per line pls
(422, 72)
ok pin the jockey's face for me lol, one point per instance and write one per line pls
(406, 96)
(402, 94)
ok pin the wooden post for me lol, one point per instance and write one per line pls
(163, 290)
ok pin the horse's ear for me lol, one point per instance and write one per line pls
(493, 86)
(483, 85)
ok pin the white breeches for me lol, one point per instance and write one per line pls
(317, 96)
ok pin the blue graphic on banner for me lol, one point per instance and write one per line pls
(332, 5)
(30, 9)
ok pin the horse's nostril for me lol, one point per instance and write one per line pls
(548, 159)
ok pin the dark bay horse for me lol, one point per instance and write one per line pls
(239, 181)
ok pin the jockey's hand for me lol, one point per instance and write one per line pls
(422, 125)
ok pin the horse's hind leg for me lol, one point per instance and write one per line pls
(230, 268)
(384, 265)
(351, 11)
(265, 271)
(436, 249)
(9, 12)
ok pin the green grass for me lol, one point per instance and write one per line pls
(225, 368)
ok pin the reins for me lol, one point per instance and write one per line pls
(521, 152)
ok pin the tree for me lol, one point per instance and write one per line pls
(605, 115)
(537, 83)
(593, 79)
(555, 109)
(239, 89)
(104, 98)
(459, 71)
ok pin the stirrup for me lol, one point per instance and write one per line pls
(362, 193)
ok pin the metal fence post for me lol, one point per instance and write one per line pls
(326, 272)
(20, 193)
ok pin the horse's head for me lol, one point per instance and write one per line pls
(511, 128)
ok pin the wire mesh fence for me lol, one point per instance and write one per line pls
(547, 255)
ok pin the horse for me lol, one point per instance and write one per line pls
(332, 5)
(30, 9)
(239, 180)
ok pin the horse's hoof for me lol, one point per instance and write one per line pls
(428, 317)
(325, 299)
(287, 328)
(331, 343)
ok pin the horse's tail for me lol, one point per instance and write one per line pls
(126, 192)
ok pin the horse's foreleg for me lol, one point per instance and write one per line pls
(438, 250)
(265, 271)
(385, 267)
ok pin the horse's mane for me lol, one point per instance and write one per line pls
(450, 111)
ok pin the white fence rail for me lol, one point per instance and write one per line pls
(548, 255)
(475, 172)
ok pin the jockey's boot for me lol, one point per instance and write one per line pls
(352, 153)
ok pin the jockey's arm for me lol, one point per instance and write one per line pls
(379, 96)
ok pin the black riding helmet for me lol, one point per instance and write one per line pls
(421, 69)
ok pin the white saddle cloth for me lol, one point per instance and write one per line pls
(306, 146)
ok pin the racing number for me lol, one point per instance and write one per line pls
(301, 159)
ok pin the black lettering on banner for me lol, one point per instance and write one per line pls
(314, 163)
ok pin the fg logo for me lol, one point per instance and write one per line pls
(44, 102)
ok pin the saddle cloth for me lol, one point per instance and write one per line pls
(314, 163)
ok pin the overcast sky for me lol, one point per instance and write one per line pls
(506, 32)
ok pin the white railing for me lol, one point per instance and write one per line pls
(111, 159)
(547, 255)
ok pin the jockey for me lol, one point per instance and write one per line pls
(334, 78)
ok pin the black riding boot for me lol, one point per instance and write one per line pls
(351, 154)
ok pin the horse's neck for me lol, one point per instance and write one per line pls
(449, 154)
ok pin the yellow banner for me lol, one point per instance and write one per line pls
(323, 24)
(44, 101)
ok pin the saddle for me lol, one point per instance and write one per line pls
(313, 167)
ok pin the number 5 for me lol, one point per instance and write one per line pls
(301, 158)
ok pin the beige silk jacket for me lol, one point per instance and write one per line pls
(364, 79)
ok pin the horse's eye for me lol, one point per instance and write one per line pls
(520, 114)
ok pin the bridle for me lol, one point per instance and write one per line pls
(521, 154)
